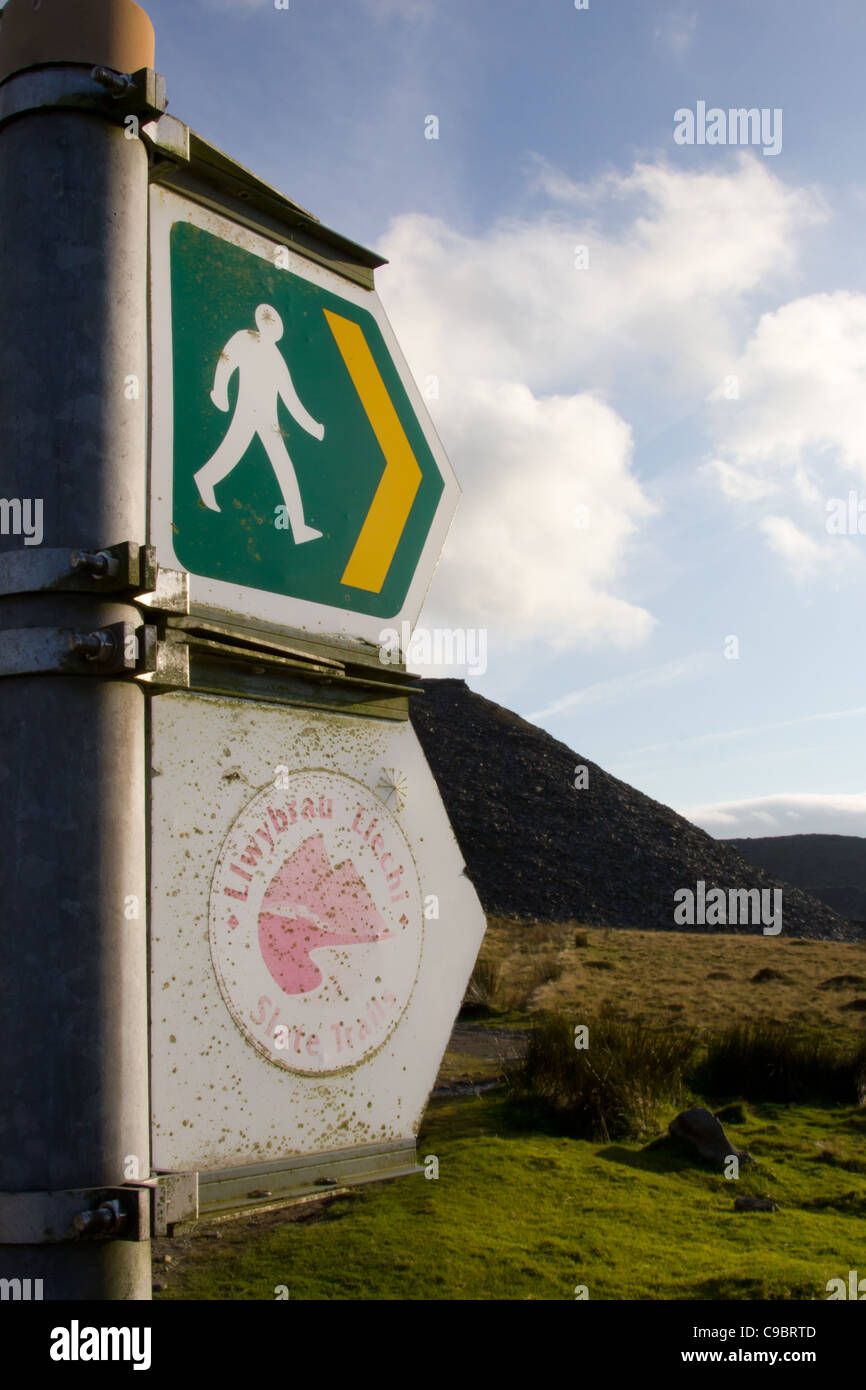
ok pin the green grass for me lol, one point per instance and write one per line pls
(522, 1210)
(523, 1214)
(624, 1077)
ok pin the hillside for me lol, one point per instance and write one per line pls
(831, 868)
(606, 855)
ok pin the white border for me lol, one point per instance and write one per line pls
(216, 596)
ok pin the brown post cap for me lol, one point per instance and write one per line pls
(106, 33)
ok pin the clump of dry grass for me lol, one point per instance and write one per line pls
(539, 969)
(764, 1060)
(482, 992)
(832, 1152)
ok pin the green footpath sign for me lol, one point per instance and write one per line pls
(295, 472)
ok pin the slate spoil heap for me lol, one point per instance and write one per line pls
(536, 848)
(829, 867)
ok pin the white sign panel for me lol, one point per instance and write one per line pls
(312, 932)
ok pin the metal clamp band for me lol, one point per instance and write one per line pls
(57, 651)
(79, 88)
(83, 1213)
(113, 569)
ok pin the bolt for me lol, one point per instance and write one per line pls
(115, 82)
(99, 647)
(107, 1219)
(97, 563)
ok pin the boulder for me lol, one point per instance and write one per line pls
(701, 1129)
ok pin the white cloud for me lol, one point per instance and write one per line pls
(802, 385)
(664, 293)
(798, 428)
(738, 484)
(783, 814)
(802, 555)
(517, 558)
(627, 686)
(525, 348)
(676, 31)
(728, 735)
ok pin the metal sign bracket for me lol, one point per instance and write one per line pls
(115, 95)
(175, 1198)
(83, 1213)
(115, 569)
(60, 651)
(220, 659)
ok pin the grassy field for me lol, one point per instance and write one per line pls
(697, 979)
(521, 1212)
(533, 1215)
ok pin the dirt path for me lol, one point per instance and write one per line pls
(476, 1058)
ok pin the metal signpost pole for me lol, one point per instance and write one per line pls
(74, 1131)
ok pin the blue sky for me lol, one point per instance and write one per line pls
(647, 443)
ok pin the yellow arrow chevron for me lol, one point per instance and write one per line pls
(389, 511)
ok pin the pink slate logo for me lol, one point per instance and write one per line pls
(309, 905)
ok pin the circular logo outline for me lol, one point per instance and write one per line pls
(216, 923)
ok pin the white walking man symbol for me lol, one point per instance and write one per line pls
(263, 381)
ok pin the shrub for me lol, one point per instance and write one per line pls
(833, 1154)
(614, 1088)
(547, 965)
(540, 969)
(539, 934)
(764, 1060)
(482, 992)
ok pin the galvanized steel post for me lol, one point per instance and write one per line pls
(73, 436)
